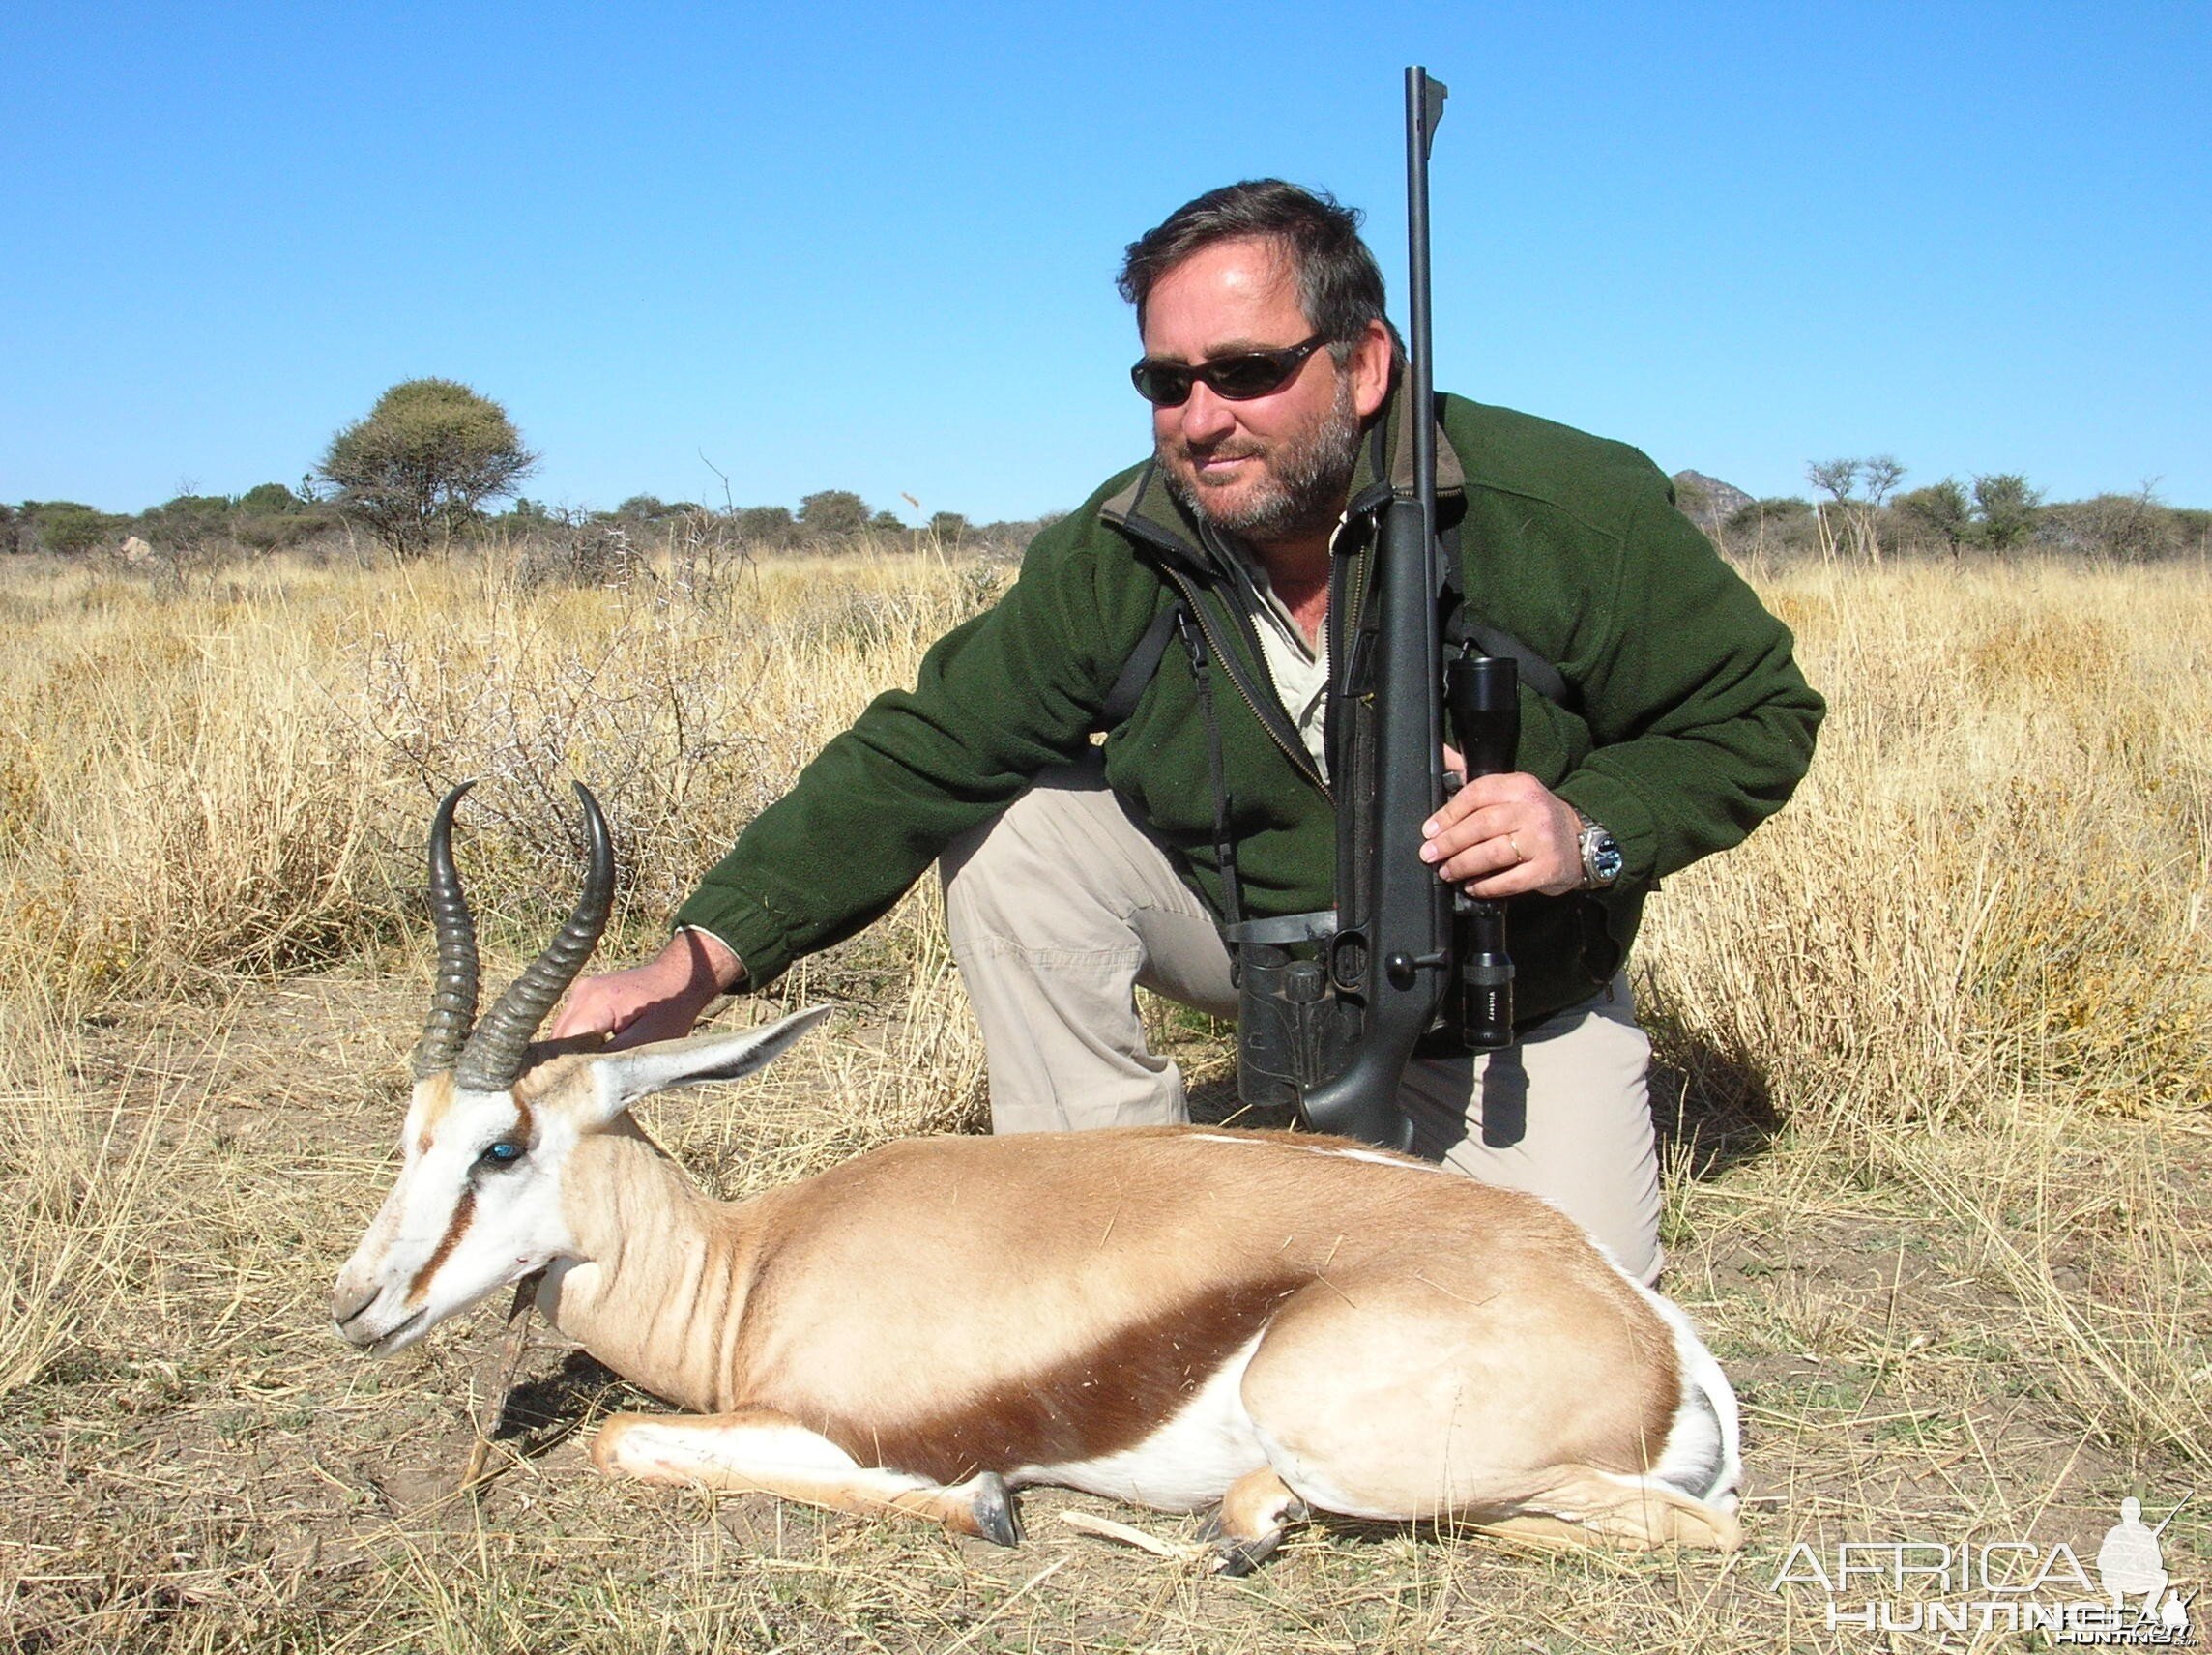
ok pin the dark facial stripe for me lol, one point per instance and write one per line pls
(464, 1210)
(1105, 1400)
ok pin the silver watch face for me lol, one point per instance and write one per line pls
(1602, 858)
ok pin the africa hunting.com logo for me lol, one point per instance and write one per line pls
(1939, 1587)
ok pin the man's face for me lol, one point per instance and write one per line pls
(1278, 466)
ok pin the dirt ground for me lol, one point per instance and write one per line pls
(1948, 1336)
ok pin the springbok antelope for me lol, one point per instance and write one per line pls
(1180, 1318)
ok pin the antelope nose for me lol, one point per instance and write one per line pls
(347, 1303)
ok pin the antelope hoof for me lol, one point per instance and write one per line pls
(1234, 1557)
(995, 1517)
(1220, 1525)
(1244, 1531)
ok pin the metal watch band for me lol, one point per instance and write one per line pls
(1601, 854)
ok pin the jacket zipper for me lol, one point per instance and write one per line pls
(1355, 584)
(1235, 669)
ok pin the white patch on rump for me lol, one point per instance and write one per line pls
(1703, 1453)
(1704, 1457)
(1188, 1462)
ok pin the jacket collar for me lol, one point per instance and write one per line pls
(1146, 508)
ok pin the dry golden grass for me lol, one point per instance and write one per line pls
(1935, 1054)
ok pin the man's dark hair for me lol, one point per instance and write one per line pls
(1340, 286)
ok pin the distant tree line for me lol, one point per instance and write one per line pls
(1860, 510)
(197, 527)
(830, 520)
(267, 519)
(418, 473)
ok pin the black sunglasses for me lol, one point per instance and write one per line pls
(1239, 378)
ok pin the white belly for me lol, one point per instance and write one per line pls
(1189, 1461)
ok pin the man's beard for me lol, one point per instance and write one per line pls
(1307, 478)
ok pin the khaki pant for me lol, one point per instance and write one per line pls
(1061, 903)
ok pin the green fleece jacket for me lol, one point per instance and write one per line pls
(1685, 724)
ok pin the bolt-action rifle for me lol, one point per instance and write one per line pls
(1409, 959)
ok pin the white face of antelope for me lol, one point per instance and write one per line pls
(478, 1204)
(477, 1207)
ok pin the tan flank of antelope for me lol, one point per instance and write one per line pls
(1262, 1324)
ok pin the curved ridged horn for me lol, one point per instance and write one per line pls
(453, 993)
(493, 1055)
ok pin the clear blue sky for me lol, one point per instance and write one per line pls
(872, 248)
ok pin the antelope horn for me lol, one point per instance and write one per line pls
(453, 993)
(493, 1055)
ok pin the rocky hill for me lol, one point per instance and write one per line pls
(1706, 501)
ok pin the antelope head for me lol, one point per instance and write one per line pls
(493, 1121)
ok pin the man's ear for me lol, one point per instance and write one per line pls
(620, 1078)
(1369, 366)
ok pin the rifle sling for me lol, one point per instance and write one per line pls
(1224, 842)
(1138, 670)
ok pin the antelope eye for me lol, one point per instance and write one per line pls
(504, 1153)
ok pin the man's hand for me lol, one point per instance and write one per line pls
(657, 1001)
(1505, 835)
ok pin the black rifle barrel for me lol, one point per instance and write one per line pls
(1424, 108)
(1394, 959)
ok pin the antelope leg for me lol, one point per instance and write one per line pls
(758, 1451)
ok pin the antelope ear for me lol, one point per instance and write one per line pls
(620, 1079)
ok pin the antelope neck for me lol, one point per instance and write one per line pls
(658, 1262)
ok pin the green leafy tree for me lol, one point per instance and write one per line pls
(2005, 510)
(527, 514)
(832, 512)
(268, 499)
(765, 525)
(1940, 508)
(1779, 524)
(68, 527)
(191, 527)
(2136, 528)
(421, 465)
(652, 508)
(1776, 508)
(271, 518)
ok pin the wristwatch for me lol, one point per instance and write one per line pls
(1602, 854)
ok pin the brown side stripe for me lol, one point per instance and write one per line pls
(464, 1211)
(1099, 1402)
